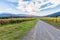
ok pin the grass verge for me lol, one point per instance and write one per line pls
(16, 31)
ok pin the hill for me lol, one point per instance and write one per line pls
(54, 14)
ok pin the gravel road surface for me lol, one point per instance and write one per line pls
(43, 31)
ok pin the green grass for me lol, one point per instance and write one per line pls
(16, 31)
(52, 21)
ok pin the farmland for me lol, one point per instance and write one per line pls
(15, 28)
(54, 21)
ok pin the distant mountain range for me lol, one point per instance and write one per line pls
(54, 14)
(4, 15)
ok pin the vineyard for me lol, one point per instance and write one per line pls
(14, 20)
(54, 21)
(51, 19)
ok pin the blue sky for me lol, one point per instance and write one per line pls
(9, 7)
(6, 6)
(40, 8)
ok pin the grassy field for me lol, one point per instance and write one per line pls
(54, 21)
(16, 31)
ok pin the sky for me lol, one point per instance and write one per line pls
(31, 7)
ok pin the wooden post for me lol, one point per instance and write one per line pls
(56, 18)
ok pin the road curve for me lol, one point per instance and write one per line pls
(43, 31)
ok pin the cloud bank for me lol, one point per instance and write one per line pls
(34, 6)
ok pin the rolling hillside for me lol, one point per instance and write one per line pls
(54, 14)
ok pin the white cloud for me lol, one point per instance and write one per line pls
(52, 6)
(55, 1)
(28, 6)
(32, 7)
